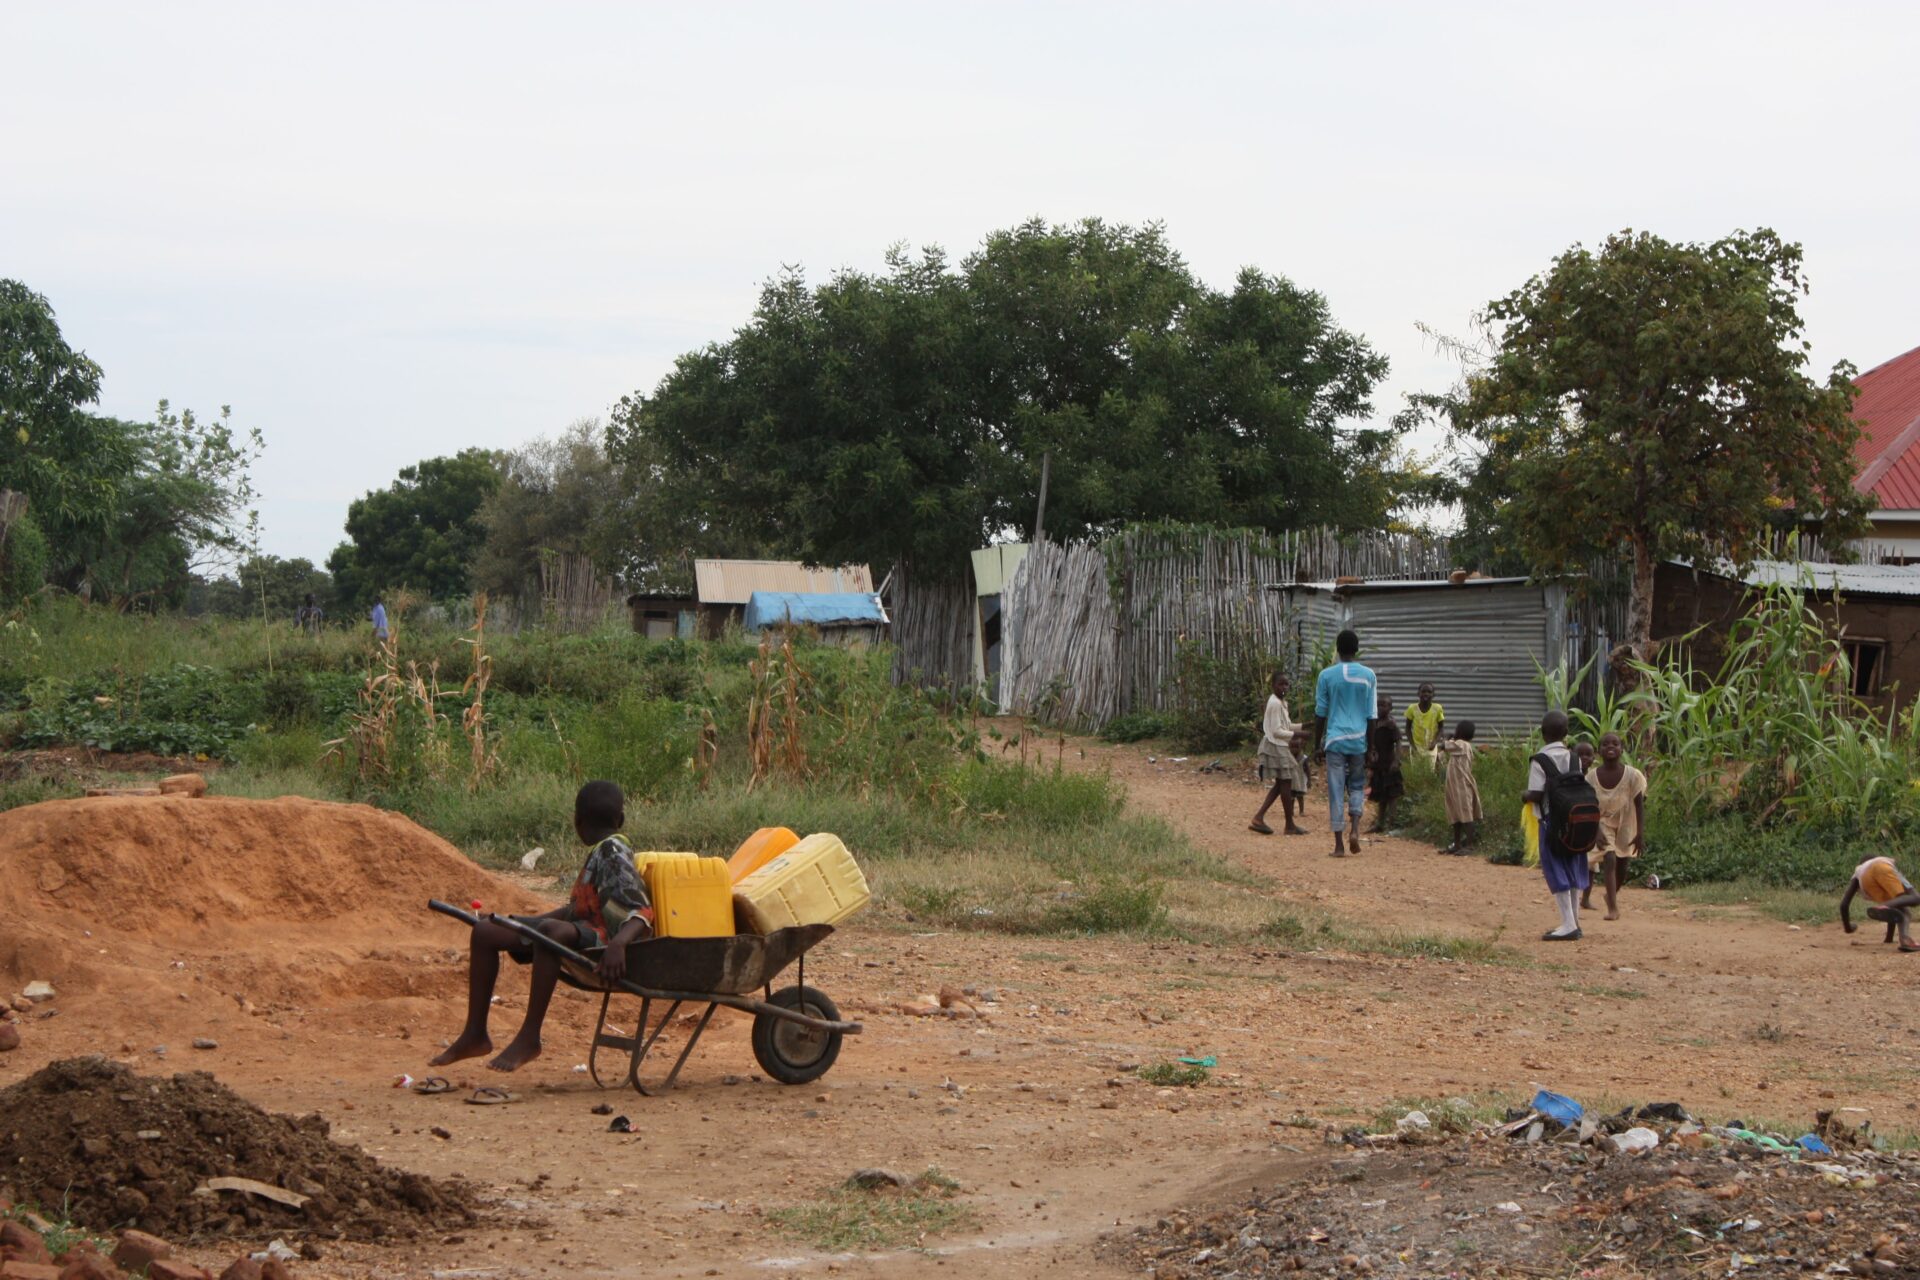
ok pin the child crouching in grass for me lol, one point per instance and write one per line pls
(1463, 793)
(608, 909)
(1891, 895)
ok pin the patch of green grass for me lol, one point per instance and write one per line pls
(1447, 1115)
(1175, 1075)
(848, 1218)
(1793, 906)
(62, 1232)
(1317, 931)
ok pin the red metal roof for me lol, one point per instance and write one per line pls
(1888, 411)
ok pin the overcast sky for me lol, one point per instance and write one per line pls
(391, 231)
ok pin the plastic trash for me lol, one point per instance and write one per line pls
(1413, 1120)
(1556, 1106)
(1636, 1139)
(1208, 1061)
(1812, 1142)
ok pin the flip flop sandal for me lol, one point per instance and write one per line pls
(432, 1084)
(489, 1096)
(1914, 947)
(1260, 828)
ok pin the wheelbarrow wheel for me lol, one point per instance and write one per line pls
(791, 1052)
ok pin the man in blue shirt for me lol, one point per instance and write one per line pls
(379, 617)
(1343, 708)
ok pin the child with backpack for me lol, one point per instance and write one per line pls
(1569, 813)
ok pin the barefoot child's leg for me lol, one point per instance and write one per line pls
(546, 975)
(483, 970)
(1613, 874)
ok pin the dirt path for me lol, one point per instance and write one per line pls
(1052, 1139)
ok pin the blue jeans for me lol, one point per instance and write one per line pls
(1346, 785)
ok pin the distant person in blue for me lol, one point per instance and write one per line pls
(379, 616)
(1344, 703)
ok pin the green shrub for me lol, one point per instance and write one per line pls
(1110, 907)
(1174, 1075)
(1137, 726)
(23, 560)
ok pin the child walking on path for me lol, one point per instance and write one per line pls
(1463, 793)
(1277, 742)
(1384, 781)
(1568, 812)
(1622, 792)
(1343, 703)
(1891, 894)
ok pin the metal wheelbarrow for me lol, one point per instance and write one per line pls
(796, 1030)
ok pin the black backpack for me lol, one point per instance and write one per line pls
(1573, 810)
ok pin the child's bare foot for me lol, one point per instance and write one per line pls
(515, 1056)
(463, 1048)
(1611, 915)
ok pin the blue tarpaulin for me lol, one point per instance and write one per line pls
(814, 608)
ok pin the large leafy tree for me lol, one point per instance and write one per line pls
(422, 532)
(182, 507)
(65, 460)
(1654, 399)
(555, 497)
(905, 416)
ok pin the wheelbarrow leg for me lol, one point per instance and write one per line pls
(692, 1040)
(601, 1039)
(643, 1043)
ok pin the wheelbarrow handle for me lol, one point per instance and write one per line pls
(530, 933)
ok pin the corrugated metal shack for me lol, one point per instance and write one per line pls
(1476, 641)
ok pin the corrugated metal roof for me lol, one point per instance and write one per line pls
(1851, 579)
(735, 581)
(1888, 411)
(1477, 648)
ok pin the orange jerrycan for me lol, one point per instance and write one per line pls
(758, 849)
(814, 882)
(692, 897)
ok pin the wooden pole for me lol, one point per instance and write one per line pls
(1040, 516)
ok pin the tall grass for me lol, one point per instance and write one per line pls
(484, 739)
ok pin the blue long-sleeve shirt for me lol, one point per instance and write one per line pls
(1346, 698)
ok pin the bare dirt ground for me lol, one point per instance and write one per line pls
(1031, 1108)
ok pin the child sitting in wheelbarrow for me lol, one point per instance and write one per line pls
(607, 910)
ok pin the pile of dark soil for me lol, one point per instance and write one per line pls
(109, 1149)
(1486, 1206)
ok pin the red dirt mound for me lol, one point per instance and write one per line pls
(289, 887)
(108, 1147)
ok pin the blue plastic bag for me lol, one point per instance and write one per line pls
(1813, 1143)
(1557, 1107)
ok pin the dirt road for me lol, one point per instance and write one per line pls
(1032, 1108)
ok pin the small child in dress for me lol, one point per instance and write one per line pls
(1463, 793)
(1891, 894)
(1385, 783)
(1622, 791)
(1279, 754)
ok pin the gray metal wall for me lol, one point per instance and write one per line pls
(1477, 645)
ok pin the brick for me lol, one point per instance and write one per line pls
(25, 1242)
(168, 1269)
(18, 1270)
(88, 1265)
(242, 1269)
(9, 1037)
(138, 1249)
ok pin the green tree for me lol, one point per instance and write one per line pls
(182, 508)
(1653, 399)
(66, 461)
(555, 497)
(422, 532)
(906, 416)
